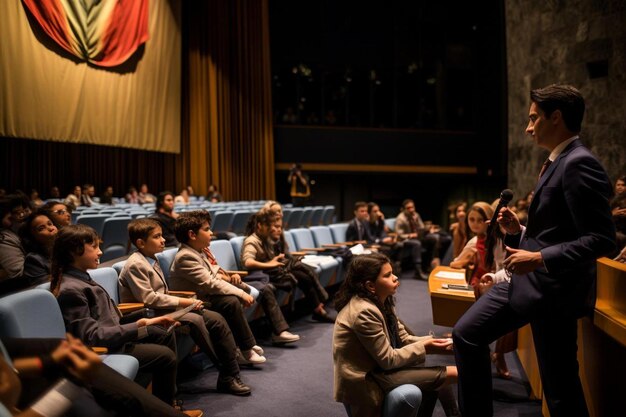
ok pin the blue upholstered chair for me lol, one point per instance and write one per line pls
(295, 218)
(329, 213)
(165, 259)
(20, 319)
(330, 267)
(338, 231)
(402, 401)
(391, 223)
(95, 221)
(316, 216)
(114, 238)
(222, 221)
(240, 219)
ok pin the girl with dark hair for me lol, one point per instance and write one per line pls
(480, 257)
(90, 314)
(37, 234)
(372, 350)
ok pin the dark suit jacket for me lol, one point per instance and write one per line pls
(569, 221)
(353, 234)
(90, 315)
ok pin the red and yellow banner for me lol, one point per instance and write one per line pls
(103, 32)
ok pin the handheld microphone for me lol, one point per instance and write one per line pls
(505, 198)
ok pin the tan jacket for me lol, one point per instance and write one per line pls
(403, 226)
(361, 345)
(140, 282)
(192, 271)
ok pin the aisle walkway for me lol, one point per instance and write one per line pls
(298, 380)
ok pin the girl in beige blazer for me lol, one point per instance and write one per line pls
(373, 352)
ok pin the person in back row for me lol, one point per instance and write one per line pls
(358, 228)
(166, 216)
(142, 280)
(193, 271)
(14, 209)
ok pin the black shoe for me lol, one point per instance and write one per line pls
(232, 385)
(323, 317)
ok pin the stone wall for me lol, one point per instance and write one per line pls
(554, 41)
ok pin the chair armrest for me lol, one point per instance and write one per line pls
(298, 253)
(100, 350)
(183, 294)
(126, 308)
(240, 273)
(313, 249)
(333, 245)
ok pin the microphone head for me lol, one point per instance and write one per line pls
(506, 196)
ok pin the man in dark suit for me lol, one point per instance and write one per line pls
(358, 228)
(549, 277)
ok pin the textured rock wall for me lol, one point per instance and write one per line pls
(552, 42)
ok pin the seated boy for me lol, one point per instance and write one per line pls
(142, 280)
(193, 271)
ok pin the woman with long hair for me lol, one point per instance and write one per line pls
(372, 350)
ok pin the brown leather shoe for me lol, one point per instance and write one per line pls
(232, 385)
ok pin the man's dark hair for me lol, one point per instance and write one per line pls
(407, 201)
(161, 198)
(565, 98)
(190, 220)
(359, 204)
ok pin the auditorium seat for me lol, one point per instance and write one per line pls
(330, 267)
(114, 238)
(307, 213)
(165, 259)
(338, 231)
(222, 221)
(316, 216)
(240, 220)
(295, 218)
(329, 213)
(20, 319)
(95, 221)
(391, 224)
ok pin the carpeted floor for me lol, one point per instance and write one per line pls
(297, 380)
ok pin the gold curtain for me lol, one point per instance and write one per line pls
(227, 134)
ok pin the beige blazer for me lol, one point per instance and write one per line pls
(192, 271)
(140, 282)
(361, 345)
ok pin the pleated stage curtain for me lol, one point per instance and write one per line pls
(227, 134)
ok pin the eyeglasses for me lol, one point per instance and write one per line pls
(60, 212)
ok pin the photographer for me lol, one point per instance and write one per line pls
(300, 189)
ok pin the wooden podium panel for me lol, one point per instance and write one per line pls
(448, 305)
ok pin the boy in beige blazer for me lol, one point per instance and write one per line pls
(142, 280)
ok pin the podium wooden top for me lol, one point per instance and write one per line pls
(435, 282)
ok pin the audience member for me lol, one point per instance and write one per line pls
(59, 213)
(379, 233)
(37, 235)
(90, 314)
(55, 377)
(213, 195)
(145, 196)
(35, 201)
(478, 263)
(434, 241)
(620, 185)
(87, 194)
(373, 353)
(458, 229)
(132, 196)
(107, 196)
(13, 211)
(407, 230)
(166, 216)
(183, 197)
(192, 271)
(142, 281)
(54, 193)
(358, 228)
(73, 199)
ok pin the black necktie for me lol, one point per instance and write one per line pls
(544, 167)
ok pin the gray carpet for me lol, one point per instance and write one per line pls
(298, 380)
